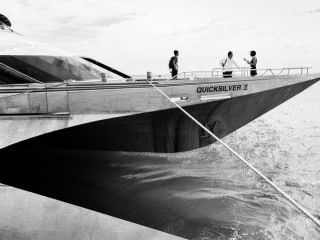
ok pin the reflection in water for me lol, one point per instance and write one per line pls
(193, 196)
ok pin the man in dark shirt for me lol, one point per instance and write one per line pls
(173, 65)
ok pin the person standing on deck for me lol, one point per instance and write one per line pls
(252, 63)
(228, 63)
(173, 64)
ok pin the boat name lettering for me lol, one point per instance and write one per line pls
(224, 88)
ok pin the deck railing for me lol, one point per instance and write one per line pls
(243, 72)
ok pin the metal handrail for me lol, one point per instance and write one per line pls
(245, 71)
(271, 70)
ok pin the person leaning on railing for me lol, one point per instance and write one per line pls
(252, 63)
(228, 63)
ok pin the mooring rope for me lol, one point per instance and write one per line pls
(286, 196)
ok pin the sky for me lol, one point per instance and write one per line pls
(137, 36)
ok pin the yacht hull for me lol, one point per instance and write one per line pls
(166, 130)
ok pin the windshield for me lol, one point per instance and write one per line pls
(108, 72)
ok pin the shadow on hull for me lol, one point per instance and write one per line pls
(171, 130)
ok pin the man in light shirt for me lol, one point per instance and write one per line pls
(228, 63)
